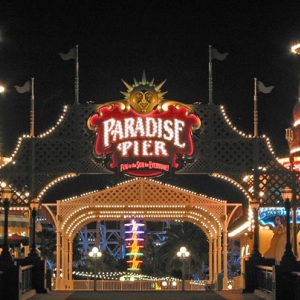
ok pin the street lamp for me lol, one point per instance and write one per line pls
(34, 206)
(255, 251)
(6, 196)
(289, 136)
(183, 254)
(287, 196)
(95, 254)
(296, 48)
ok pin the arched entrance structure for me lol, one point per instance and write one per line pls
(141, 198)
(66, 151)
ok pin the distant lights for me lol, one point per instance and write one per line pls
(10, 159)
(269, 144)
(296, 48)
(211, 225)
(205, 219)
(239, 229)
(233, 182)
(296, 123)
(27, 136)
(295, 150)
(91, 206)
(227, 119)
(134, 245)
(243, 134)
(125, 276)
(54, 182)
(49, 131)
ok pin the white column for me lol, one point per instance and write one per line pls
(215, 244)
(219, 252)
(58, 247)
(70, 263)
(58, 260)
(64, 262)
(225, 256)
(210, 254)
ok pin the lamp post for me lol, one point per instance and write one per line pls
(296, 48)
(289, 136)
(183, 254)
(95, 254)
(6, 196)
(34, 206)
(255, 251)
(288, 256)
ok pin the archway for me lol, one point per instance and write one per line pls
(141, 198)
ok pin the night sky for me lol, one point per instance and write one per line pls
(168, 39)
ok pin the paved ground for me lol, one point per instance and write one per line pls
(154, 295)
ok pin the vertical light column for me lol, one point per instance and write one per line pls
(134, 244)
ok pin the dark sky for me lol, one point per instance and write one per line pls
(168, 39)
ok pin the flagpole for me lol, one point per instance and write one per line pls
(255, 109)
(210, 80)
(76, 76)
(32, 109)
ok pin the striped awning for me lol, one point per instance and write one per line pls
(15, 220)
(15, 240)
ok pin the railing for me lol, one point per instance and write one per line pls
(1, 284)
(296, 284)
(264, 278)
(138, 285)
(26, 278)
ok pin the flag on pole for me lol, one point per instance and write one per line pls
(24, 88)
(73, 54)
(70, 55)
(264, 89)
(215, 54)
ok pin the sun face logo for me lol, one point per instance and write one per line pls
(143, 96)
(143, 134)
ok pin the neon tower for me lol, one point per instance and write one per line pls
(134, 241)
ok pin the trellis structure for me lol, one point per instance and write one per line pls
(66, 151)
(142, 199)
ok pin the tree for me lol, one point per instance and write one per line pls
(46, 240)
(178, 235)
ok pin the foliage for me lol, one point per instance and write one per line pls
(46, 242)
(106, 263)
(178, 235)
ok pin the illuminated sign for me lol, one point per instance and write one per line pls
(143, 135)
(275, 216)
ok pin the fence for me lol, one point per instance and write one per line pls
(264, 278)
(26, 278)
(296, 284)
(138, 285)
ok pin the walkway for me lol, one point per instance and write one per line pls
(155, 295)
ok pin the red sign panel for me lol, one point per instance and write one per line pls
(142, 143)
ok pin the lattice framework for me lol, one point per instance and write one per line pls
(141, 198)
(219, 148)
